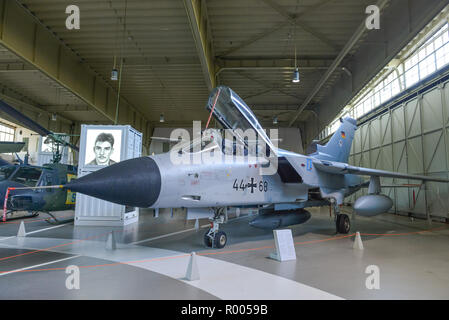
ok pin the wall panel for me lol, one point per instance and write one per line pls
(412, 138)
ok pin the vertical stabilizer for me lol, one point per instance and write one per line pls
(339, 145)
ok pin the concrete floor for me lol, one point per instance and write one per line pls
(151, 260)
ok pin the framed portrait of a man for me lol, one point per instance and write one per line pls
(103, 147)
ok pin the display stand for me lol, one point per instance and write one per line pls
(127, 144)
(285, 248)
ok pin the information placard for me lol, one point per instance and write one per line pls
(285, 248)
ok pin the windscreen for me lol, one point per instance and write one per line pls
(233, 113)
(27, 176)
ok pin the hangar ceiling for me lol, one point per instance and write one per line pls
(252, 44)
(174, 51)
(20, 81)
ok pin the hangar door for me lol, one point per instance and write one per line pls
(411, 138)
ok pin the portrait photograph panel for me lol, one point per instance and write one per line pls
(103, 147)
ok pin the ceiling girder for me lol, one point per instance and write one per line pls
(273, 29)
(22, 33)
(346, 49)
(198, 20)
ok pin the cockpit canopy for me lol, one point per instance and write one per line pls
(29, 176)
(233, 113)
(26, 175)
(242, 134)
(212, 140)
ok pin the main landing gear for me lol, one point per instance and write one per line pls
(214, 238)
(342, 221)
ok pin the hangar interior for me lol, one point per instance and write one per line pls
(169, 55)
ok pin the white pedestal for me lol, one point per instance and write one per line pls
(285, 248)
(90, 211)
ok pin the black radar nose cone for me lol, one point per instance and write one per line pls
(135, 182)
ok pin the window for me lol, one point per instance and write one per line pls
(367, 105)
(385, 93)
(427, 66)
(442, 56)
(376, 97)
(358, 110)
(6, 132)
(412, 76)
(27, 176)
(432, 56)
(395, 87)
(27, 142)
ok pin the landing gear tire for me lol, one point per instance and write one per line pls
(343, 223)
(220, 239)
(207, 239)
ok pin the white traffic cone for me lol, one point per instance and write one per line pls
(193, 272)
(197, 225)
(110, 243)
(22, 232)
(358, 244)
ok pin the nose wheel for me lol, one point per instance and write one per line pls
(217, 240)
(214, 238)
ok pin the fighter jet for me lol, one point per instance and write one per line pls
(209, 175)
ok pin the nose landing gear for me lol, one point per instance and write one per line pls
(214, 238)
(217, 240)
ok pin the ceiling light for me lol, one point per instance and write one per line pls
(296, 76)
(114, 74)
(161, 118)
(275, 120)
(53, 117)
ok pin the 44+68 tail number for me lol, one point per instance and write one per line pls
(262, 186)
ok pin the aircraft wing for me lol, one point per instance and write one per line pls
(343, 168)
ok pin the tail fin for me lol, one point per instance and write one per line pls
(339, 145)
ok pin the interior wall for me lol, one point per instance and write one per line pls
(21, 133)
(403, 20)
(412, 137)
(33, 143)
(290, 139)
